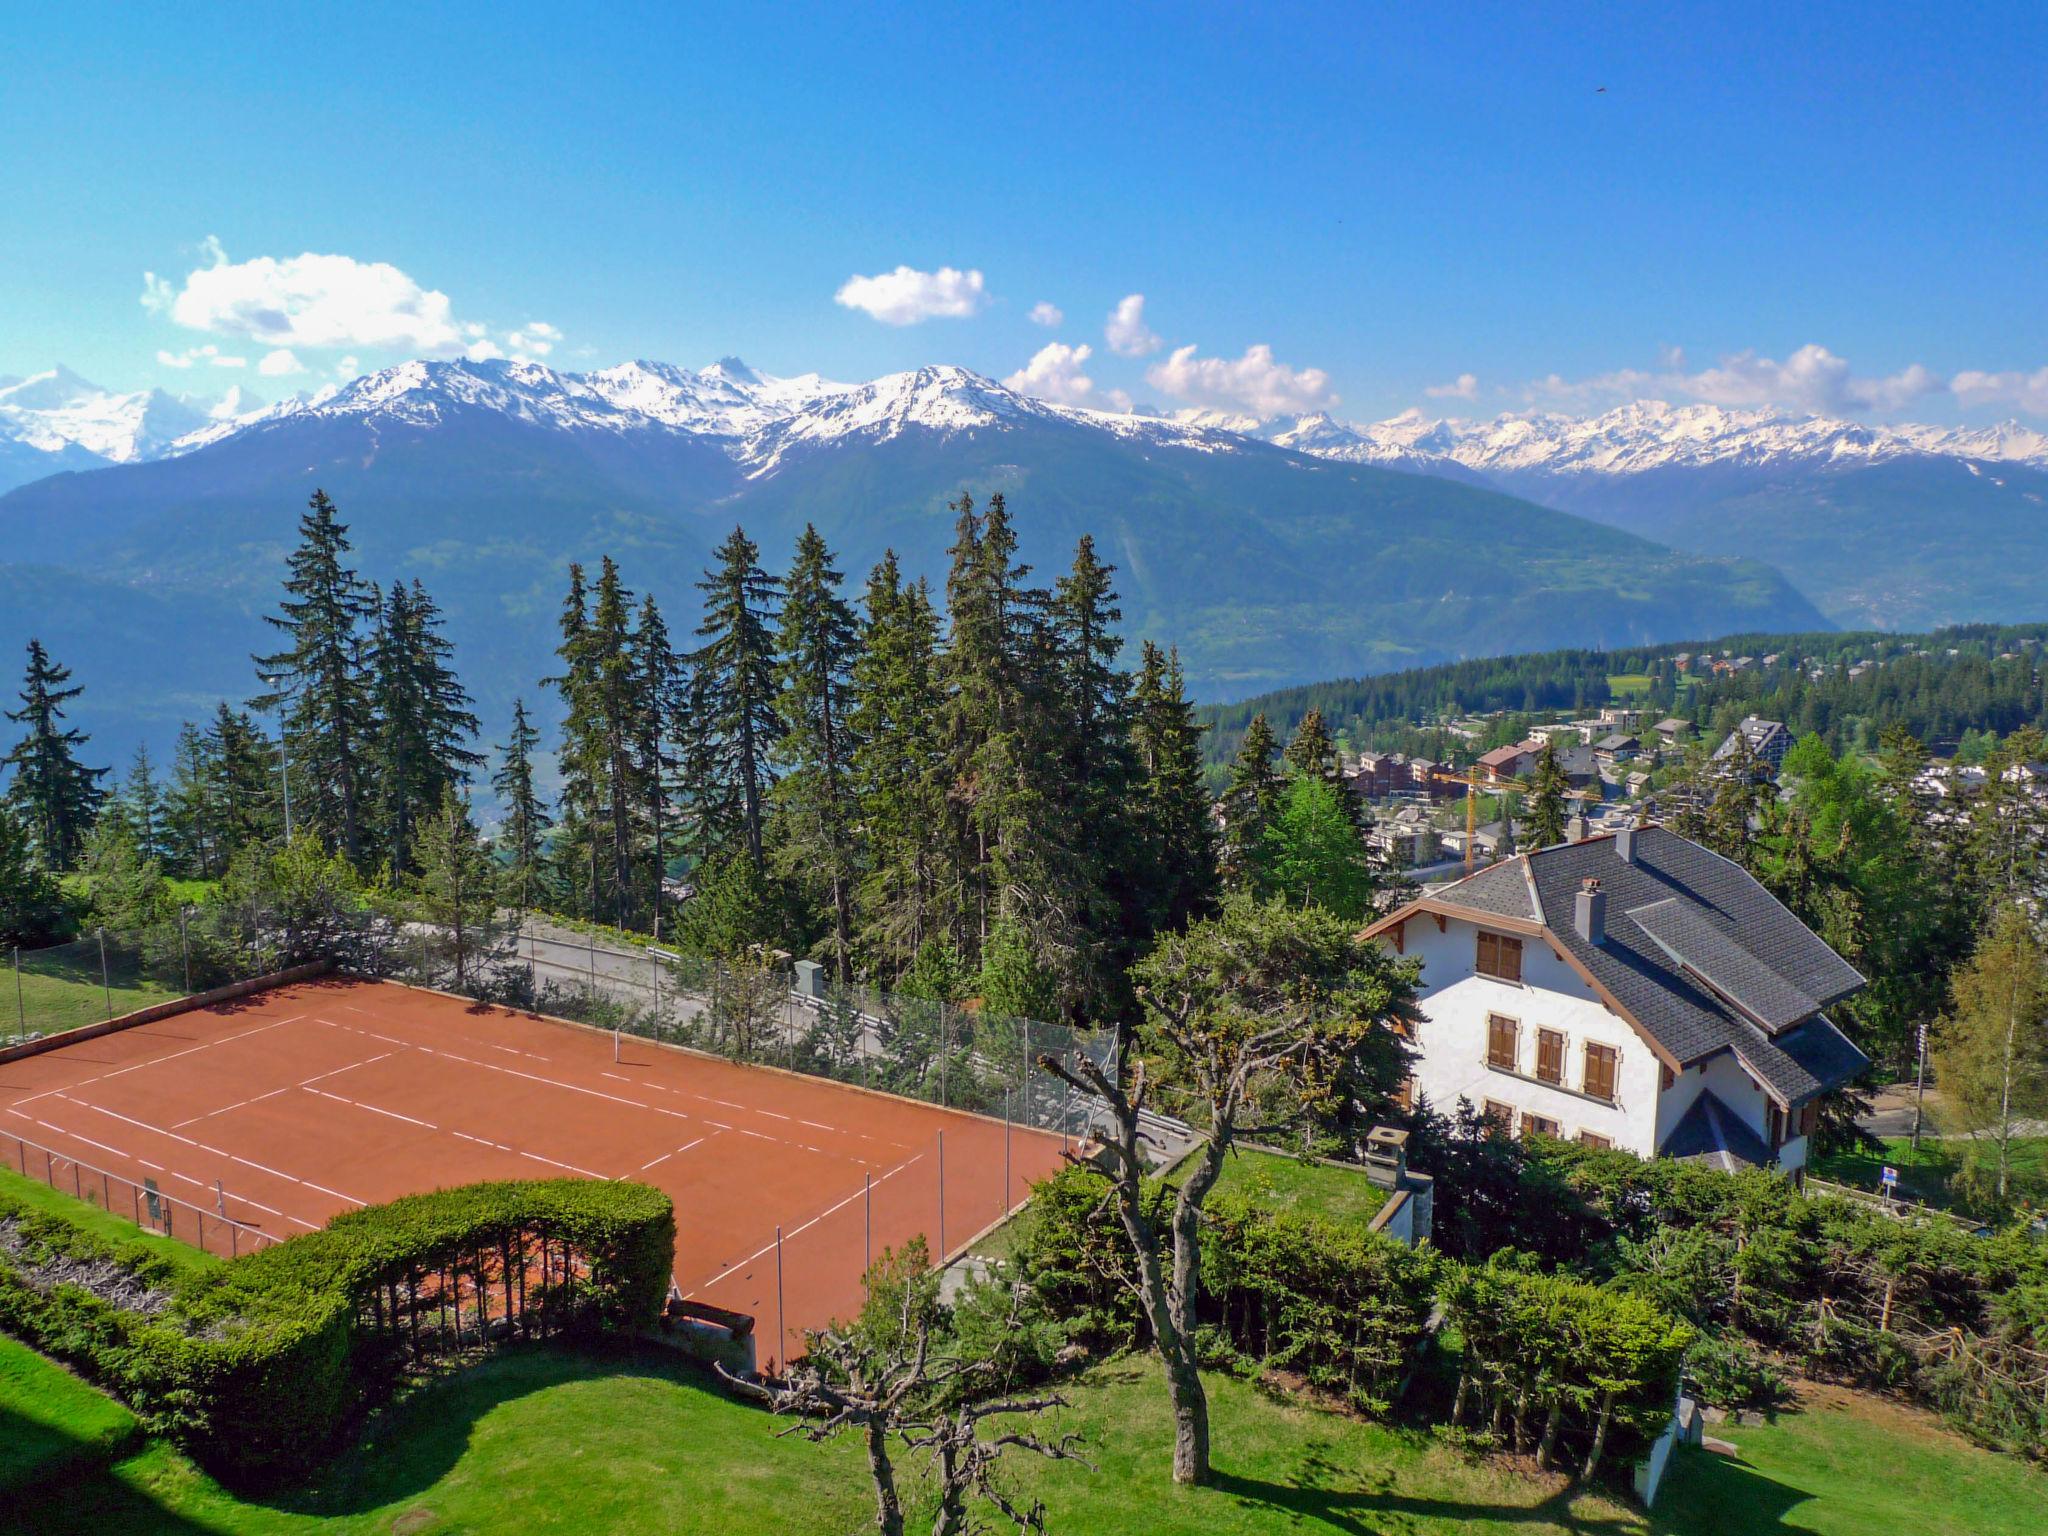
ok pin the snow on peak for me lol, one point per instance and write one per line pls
(57, 410)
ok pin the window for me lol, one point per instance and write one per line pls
(1809, 1117)
(1501, 1117)
(1538, 1125)
(1550, 1055)
(1595, 1140)
(1500, 956)
(1503, 1042)
(1404, 1096)
(1600, 1062)
(1774, 1124)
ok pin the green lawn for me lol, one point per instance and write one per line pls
(1625, 685)
(1849, 1464)
(32, 1191)
(51, 1423)
(1285, 1183)
(1924, 1173)
(62, 987)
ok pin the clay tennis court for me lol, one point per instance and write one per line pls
(313, 1099)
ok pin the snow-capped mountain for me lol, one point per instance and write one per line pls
(62, 415)
(1642, 436)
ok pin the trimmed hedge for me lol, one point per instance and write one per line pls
(257, 1367)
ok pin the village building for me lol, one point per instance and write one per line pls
(1768, 740)
(1631, 990)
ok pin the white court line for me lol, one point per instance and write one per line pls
(137, 1066)
(771, 1114)
(605, 1177)
(372, 1108)
(770, 1247)
(679, 1151)
(203, 1147)
(101, 1145)
(817, 1125)
(241, 1104)
(319, 1077)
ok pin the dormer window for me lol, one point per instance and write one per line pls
(1500, 956)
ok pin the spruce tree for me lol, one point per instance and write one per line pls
(456, 891)
(815, 813)
(733, 690)
(321, 680)
(246, 790)
(31, 902)
(189, 845)
(581, 760)
(1180, 830)
(899, 774)
(142, 809)
(661, 717)
(605, 735)
(56, 796)
(423, 718)
(1314, 754)
(1251, 802)
(526, 818)
(1548, 788)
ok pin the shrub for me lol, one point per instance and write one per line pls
(1729, 1374)
(259, 1365)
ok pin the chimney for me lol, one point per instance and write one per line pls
(1589, 912)
(1625, 843)
(1575, 830)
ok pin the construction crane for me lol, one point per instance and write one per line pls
(1472, 788)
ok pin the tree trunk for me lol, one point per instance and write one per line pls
(1599, 1436)
(888, 1505)
(1190, 1418)
(1548, 1444)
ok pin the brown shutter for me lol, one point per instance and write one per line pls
(1600, 1061)
(1510, 959)
(1550, 1055)
(1502, 1038)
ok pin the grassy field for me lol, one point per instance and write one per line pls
(1628, 685)
(51, 1423)
(34, 1192)
(1848, 1464)
(1924, 1174)
(1286, 1183)
(62, 987)
(544, 1441)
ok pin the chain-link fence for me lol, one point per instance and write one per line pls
(746, 1009)
(212, 1229)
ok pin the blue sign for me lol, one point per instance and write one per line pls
(1890, 1177)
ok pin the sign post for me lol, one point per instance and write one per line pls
(1890, 1179)
(1919, 1082)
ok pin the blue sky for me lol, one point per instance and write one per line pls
(1387, 202)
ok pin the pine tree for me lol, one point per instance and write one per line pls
(661, 718)
(321, 679)
(1992, 1050)
(1548, 788)
(1180, 831)
(31, 902)
(423, 718)
(526, 816)
(142, 808)
(456, 890)
(814, 802)
(606, 732)
(190, 847)
(1313, 754)
(56, 796)
(899, 774)
(733, 689)
(1251, 803)
(246, 786)
(581, 760)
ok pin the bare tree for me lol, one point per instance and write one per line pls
(1253, 1020)
(889, 1378)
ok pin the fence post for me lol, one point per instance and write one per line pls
(942, 1200)
(20, 1008)
(106, 982)
(185, 946)
(592, 937)
(781, 1327)
(1005, 1201)
(867, 1251)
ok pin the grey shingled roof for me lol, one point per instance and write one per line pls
(1761, 953)
(1710, 1132)
(1499, 889)
(1684, 933)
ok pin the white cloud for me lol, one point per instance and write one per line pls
(1254, 382)
(1043, 313)
(1126, 331)
(1809, 379)
(2024, 391)
(533, 342)
(308, 300)
(1464, 387)
(211, 355)
(1054, 373)
(483, 350)
(278, 364)
(347, 367)
(232, 404)
(906, 295)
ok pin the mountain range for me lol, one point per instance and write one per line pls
(1263, 563)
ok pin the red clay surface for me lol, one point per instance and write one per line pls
(313, 1099)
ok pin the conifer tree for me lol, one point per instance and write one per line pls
(55, 795)
(1992, 1048)
(1313, 754)
(423, 718)
(661, 719)
(581, 760)
(1251, 802)
(899, 774)
(1181, 832)
(605, 734)
(31, 902)
(246, 790)
(526, 816)
(189, 847)
(321, 680)
(733, 690)
(456, 890)
(814, 802)
(1548, 788)
(142, 808)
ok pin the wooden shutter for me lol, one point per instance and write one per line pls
(1538, 1125)
(1594, 1140)
(1600, 1060)
(1503, 1037)
(1550, 1055)
(1499, 1115)
(1500, 956)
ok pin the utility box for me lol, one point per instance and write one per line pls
(810, 980)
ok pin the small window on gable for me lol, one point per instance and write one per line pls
(1503, 1042)
(1500, 956)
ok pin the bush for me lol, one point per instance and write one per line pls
(1729, 1374)
(258, 1366)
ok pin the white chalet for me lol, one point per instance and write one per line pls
(1630, 990)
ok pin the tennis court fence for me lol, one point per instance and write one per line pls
(210, 1229)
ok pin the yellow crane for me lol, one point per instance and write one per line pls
(1472, 788)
